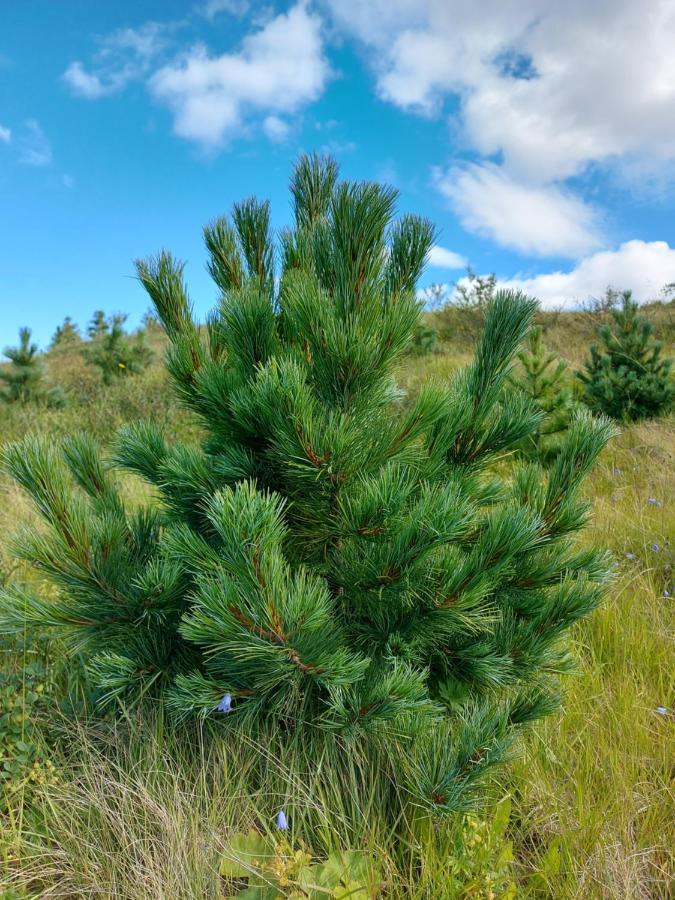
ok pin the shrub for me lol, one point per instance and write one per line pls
(542, 378)
(115, 353)
(326, 563)
(627, 378)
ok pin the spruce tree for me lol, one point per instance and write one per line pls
(25, 375)
(543, 378)
(627, 378)
(115, 353)
(327, 561)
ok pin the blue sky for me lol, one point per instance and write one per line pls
(539, 139)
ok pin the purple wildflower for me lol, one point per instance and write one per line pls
(661, 710)
(282, 822)
(666, 592)
(652, 501)
(225, 705)
(630, 556)
(656, 548)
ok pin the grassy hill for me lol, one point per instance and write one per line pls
(125, 813)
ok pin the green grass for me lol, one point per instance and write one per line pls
(137, 813)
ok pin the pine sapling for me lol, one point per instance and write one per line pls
(327, 563)
(542, 377)
(627, 378)
(115, 353)
(66, 334)
(24, 376)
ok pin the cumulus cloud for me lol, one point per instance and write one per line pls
(276, 71)
(548, 89)
(34, 148)
(549, 86)
(5, 134)
(543, 220)
(641, 266)
(443, 258)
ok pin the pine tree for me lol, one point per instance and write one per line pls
(327, 561)
(24, 376)
(542, 377)
(114, 353)
(627, 378)
(66, 333)
(98, 325)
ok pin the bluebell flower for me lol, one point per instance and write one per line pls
(282, 822)
(225, 705)
(661, 710)
(655, 548)
(630, 556)
(666, 592)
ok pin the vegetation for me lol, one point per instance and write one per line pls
(627, 378)
(543, 378)
(131, 809)
(126, 805)
(326, 564)
(24, 377)
(113, 351)
(66, 333)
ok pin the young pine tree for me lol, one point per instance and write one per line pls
(98, 325)
(66, 333)
(115, 353)
(326, 562)
(24, 377)
(627, 378)
(542, 377)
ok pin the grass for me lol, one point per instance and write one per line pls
(136, 813)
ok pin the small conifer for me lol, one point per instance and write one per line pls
(66, 333)
(627, 378)
(542, 377)
(327, 562)
(24, 377)
(115, 353)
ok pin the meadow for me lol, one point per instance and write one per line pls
(124, 807)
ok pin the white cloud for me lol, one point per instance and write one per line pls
(122, 57)
(446, 259)
(212, 8)
(34, 148)
(5, 134)
(277, 70)
(548, 89)
(275, 128)
(86, 84)
(68, 181)
(532, 219)
(641, 266)
(550, 86)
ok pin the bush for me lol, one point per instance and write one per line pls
(627, 378)
(327, 563)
